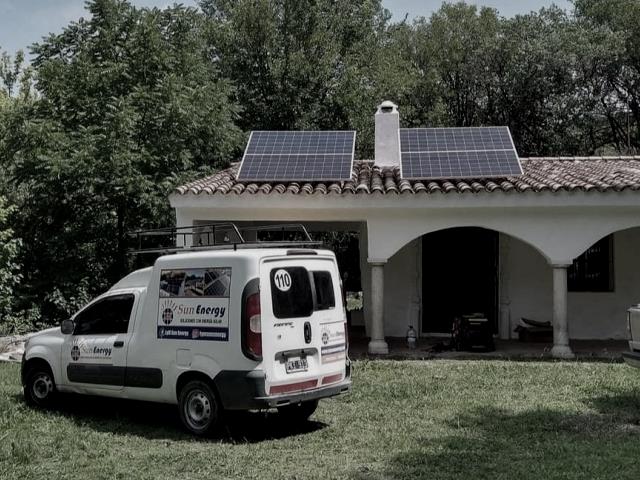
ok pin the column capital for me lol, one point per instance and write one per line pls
(561, 265)
(377, 261)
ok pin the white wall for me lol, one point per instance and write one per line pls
(526, 289)
(592, 315)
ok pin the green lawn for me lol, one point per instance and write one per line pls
(410, 419)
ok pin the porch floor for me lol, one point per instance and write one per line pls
(608, 350)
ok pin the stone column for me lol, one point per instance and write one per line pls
(561, 348)
(365, 278)
(377, 345)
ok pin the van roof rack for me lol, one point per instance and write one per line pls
(221, 236)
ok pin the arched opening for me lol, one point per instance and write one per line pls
(603, 282)
(463, 271)
(460, 278)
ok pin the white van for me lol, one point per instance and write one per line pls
(210, 330)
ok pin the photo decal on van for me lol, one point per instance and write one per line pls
(194, 304)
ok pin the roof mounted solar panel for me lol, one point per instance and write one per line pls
(468, 152)
(298, 156)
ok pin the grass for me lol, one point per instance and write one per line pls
(404, 419)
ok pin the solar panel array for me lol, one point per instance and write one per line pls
(468, 152)
(298, 156)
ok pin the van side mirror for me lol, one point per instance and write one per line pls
(67, 327)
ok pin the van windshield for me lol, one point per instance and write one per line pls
(296, 292)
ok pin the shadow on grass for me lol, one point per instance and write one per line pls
(161, 421)
(621, 406)
(544, 443)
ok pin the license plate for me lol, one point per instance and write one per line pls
(296, 364)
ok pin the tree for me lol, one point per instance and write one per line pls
(533, 87)
(130, 103)
(9, 268)
(560, 82)
(15, 76)
(312, 64)
(458, 45)
(612, 54)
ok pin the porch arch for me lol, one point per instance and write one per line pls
(559, 235)
(588, 242)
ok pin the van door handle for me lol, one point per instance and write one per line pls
(307, 332)
(118, 344)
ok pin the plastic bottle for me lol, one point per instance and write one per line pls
(412, 338)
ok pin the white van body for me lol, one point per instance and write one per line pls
(263, 327)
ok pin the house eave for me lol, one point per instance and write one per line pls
(498, 199)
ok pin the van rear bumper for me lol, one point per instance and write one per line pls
(632, 358)
(295, 397)
(242, 390)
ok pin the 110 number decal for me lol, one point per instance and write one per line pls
(282, 279)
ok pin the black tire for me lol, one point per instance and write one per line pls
(40, 387)
(199, 410)
(298, 412)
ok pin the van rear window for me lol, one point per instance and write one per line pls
(325, 298)
(296, 292)
(291, 292)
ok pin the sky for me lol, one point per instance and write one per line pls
(23, 22)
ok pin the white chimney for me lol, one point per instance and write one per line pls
(387, 139)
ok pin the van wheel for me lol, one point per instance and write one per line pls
(198, 408)
(40, 388)
(298, 412)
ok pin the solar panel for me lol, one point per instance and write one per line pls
(298, 156)
(468, 152)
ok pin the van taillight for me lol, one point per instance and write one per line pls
(346, 337)
(253, 327)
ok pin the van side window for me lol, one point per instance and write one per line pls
(107, 316)
(325, 298)
(291, 294)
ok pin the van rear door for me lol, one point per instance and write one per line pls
(303, 324)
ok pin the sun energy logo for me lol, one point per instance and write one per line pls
(75, 353)
(168, 306)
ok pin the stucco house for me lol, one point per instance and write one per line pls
(560, 242)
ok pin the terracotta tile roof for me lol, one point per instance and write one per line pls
(598, 174)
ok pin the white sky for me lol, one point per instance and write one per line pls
(23, 22)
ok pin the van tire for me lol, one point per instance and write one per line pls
(298, 412)
(40, 387)
(198, 406)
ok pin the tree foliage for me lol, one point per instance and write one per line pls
(129, 103)
(309, 64)
(9, 274)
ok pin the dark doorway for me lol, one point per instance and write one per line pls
(459, 277)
